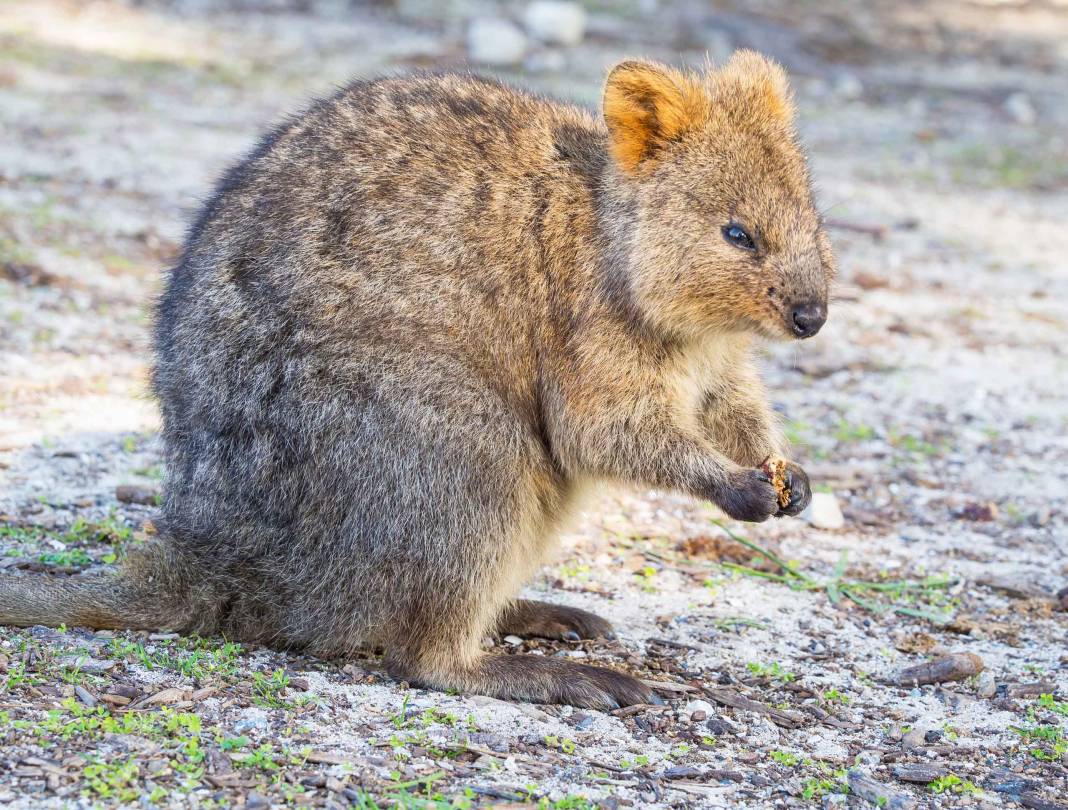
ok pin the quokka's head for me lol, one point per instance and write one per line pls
(726, 235)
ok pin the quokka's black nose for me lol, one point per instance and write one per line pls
(807, 319)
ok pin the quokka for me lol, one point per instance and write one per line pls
(419, 319)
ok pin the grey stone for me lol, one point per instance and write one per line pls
(556, 22)
(495, 41)
(824, 512)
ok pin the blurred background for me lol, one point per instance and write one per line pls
(948, 117)
(937, 133)
(930, 412)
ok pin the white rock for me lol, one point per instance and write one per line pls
(556, 21)
(548, 61)
(515, 641)
(698, 706)
(824, 512)
(494, 41)
(762, 732)
(251, 719)
(849, 87)
(986, 686)
(1019, 106)
(869, 758)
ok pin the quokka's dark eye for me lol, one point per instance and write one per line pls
(737, 236)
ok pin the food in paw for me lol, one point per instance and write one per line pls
(775, 469)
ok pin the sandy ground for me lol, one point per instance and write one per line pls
(931, 407)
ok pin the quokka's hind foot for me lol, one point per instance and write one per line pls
(531, 679)
(526, 617)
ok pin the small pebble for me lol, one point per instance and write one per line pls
(495, 41)
(913, 739)
(952, 667)
(682, 772)
(251, 720)
(824, 512)
(720, 727)
(1020, 107)
(849, 87)
(694, 706)
(986, 686)
(136, 493)
(548, 61)
(85, 697)
(555, 21)
(583, 721)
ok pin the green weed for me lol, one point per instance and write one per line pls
(908, 598)
(773, 671)
(785, 758)
(952, 783)
(267, 690)
(114, 781)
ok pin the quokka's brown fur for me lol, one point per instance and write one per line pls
(412, 325)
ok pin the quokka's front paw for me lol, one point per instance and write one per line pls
(526, 617)
(799, 490)
(748, 495)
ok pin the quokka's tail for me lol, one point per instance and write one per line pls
(147, 593)
(106, 601)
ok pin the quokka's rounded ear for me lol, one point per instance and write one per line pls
(754, 87)
(646, 106)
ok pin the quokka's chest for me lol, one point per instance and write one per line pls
(700, 369)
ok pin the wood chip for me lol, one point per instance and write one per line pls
(46, 765)
(115, 700)
(862, 785)
(1029, 690)
(171, 695)
(829, 719)
(1014, 586)
(952, 667)
(923, 772)
(682, 772)
(781, 717)
(325, 758)
(83, 663)
(724, 776)
(136, 493)
(83, 695)
(678, 645)
(124, 690)
(698, 789)
(231, 780)
(668, 686)
(1036, 802)
(638, 708)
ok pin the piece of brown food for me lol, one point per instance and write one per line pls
(775, 468)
